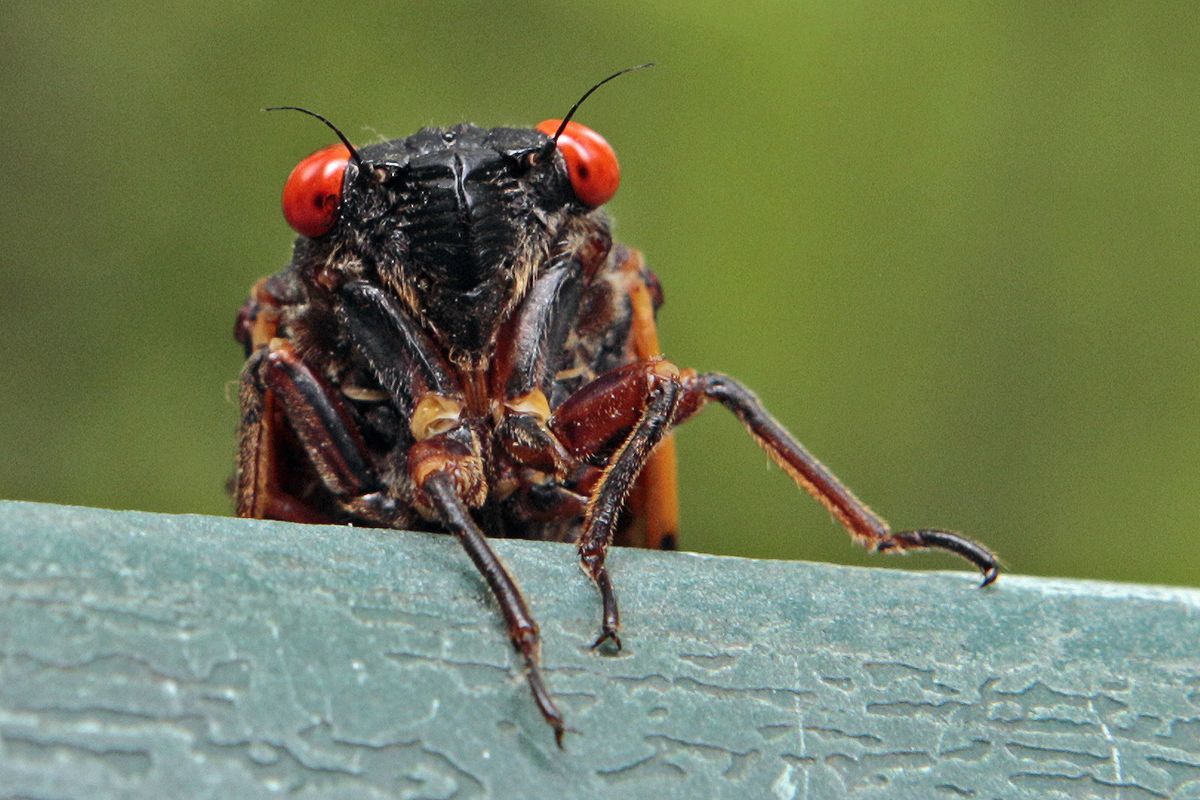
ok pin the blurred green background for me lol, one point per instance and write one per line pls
(953, 246)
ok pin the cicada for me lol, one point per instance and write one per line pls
(459, 345)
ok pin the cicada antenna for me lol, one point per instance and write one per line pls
(563, 125)
(353, 152)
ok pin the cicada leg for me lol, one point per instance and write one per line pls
(283, 400)
(636, 405)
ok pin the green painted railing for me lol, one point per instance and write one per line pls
(156, 656)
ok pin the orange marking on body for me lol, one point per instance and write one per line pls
(430, 465)
(645, 332)
(655, 497)
(434, 414)
(266, 320)
(659, 483)
(533, 403)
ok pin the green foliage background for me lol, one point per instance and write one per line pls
(952, 245)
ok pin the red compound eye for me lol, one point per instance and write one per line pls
(591, 162)
(313, 191)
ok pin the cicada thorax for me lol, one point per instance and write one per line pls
(456, 223)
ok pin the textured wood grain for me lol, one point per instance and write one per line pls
(153, 656)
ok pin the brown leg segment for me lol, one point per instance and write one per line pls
(442, 492)
(635, 404)
(256, 451)
(263, 434)
(320, 422)
(286, 406)
(601, 519)
(808, 473)
(639, 403)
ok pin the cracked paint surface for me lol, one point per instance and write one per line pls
(147, 655)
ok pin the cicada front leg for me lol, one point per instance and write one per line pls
(284, 404)
(637, 404)
(811, 475)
